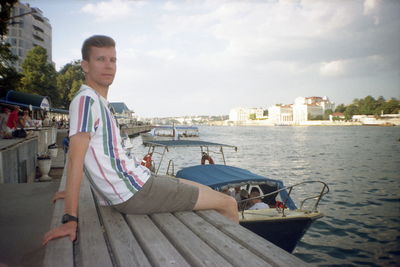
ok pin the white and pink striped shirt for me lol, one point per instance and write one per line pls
(114, 176)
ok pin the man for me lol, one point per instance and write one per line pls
(256, 203)
(95, 145)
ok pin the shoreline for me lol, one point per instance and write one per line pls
(305, 124)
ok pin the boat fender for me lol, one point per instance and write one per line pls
(147, 161)
(206, 157)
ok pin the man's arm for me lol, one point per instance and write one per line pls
(78, 146)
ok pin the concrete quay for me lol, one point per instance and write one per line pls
(25, 205)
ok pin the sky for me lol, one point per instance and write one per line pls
(197, 57)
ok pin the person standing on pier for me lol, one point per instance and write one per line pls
(95, 147)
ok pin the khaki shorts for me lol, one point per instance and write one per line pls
(161, 194)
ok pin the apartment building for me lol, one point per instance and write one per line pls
(280, 114)
(303, 109)
(243, 114)
(28, 28)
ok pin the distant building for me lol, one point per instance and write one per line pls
(122, 113)
(280, 114)
(306, 108)
(243, 114)
(28, 31)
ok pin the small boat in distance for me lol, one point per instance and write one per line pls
(168, 132)
(280, 221)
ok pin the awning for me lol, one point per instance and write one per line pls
(27, 100)
(59, 110)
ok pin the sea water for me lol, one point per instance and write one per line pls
(361, 165)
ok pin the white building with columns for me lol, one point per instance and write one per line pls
(280, 114)
(306, 108)
(243, 114)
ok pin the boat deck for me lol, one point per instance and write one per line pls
(204, 238)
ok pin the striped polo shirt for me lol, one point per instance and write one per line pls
(112, 174)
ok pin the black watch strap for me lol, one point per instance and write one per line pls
(69, 218)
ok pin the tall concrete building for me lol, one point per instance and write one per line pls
(27, 31)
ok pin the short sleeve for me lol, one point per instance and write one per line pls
(83, 115)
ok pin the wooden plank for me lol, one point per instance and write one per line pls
(59, 252)
(92, 246)
(232, 251)
(125, 247)
(195, 251)
(158, 249)
(258, 245)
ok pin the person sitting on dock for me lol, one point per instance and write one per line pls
(257, 204)
(95, 145)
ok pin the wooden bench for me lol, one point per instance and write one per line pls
(204, 238)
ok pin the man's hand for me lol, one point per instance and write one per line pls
(67, 229)
(58, 195)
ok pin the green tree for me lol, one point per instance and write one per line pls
(367, 105)
(69, 80)
(252, 116)
(326, 114)
(9, 77)
(391, 106)
(351, 110)
(340, 108)
(39, 76)
(5, 11)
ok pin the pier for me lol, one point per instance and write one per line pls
(134, 130)
(204, 238)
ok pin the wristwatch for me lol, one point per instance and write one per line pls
(69, 218)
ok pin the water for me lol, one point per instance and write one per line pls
(361, 165)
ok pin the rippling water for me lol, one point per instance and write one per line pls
(360, 164)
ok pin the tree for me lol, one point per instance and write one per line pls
(391, 106)
(5, 11)
(326, 114)
(69, 80)
(340, 108)
(367, 105)
(39, 76)
(9, 77)
(252, 116)
(351, 110)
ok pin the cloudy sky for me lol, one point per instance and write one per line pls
(206, 57)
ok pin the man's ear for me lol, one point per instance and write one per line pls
(84, 66)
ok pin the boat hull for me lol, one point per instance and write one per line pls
(284, 233)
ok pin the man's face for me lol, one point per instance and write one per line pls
(101, 67)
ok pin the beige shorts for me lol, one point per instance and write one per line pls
(161, 194)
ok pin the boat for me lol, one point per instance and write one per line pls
(283, 222)
(168, 132)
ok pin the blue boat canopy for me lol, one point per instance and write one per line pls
(217, 176)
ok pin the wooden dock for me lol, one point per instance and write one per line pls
(205, 238)
(134, 130)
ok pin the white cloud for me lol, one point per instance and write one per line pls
(111, 10)
(333, 68)
(164, 54)
(371, 8)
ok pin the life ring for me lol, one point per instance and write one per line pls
(147, 161)
(206, 157)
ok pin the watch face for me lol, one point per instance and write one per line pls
(68, 218)
(64, 218)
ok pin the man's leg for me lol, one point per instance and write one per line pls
(211, 199)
